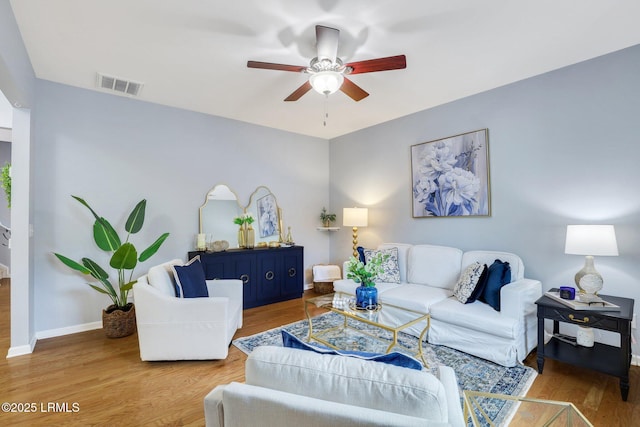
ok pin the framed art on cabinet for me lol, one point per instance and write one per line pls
(450, 176)
(267, 216)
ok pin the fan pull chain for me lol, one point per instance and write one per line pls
(326, 109)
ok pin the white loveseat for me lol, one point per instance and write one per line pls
(428, 275)
(288, 387)
(172, 328)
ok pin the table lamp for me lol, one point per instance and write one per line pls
(590, 240)
(355, 217)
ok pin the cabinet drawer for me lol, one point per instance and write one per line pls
(585, 318)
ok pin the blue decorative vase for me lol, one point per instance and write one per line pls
(366, 297)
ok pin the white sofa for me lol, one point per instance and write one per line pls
(288, 387)
(428, 275)
(172, 328)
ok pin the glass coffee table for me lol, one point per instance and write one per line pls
(375, 331)
(527, 412)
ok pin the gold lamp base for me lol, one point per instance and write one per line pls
(355, 242)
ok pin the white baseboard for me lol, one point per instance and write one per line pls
(635, 360)
(21, 350)
(50, 333)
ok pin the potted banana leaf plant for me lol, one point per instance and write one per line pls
(118, 320)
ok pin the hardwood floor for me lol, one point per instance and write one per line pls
(103, 382)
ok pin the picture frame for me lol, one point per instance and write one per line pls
(450, 176)
(267, 216)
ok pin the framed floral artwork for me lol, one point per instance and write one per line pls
(267, 216)
(450, 176)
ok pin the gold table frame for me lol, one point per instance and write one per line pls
(552, 412)
(327, 301)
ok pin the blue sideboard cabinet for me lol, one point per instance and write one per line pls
(268, 274)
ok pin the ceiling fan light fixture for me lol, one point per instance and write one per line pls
(326, 82)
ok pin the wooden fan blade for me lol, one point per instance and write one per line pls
(354, 91)
(272, 66)
(297, 94)
(381, 64)
(327, 42)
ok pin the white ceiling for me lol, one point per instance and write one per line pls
(192, 54)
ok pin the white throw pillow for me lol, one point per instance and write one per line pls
(390, 267)
(161, 277)
(468, 281)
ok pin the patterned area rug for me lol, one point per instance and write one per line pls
(473, 373)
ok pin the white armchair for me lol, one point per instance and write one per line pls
(171, 328)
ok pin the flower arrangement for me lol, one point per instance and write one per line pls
(244, 219)
(246, 234)
(365, 274)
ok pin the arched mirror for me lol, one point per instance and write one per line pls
(217, 213)
(263, 206)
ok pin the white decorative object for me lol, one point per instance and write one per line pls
(591, 284)
(585, 336)
(590, 240)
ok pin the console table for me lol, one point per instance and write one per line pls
(268, 274)
(601, 357)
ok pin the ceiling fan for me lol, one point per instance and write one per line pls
(328, 73)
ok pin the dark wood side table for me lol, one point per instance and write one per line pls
(601, 357)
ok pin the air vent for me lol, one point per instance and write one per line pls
(117, 84)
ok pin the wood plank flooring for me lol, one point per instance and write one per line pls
(102, 382)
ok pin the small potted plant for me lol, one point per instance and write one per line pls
(327, 218)
(365, 274)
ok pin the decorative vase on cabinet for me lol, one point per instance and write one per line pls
(241, 238)
(251, 237)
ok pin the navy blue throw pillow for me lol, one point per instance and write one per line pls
(190, 279)
(361, 256)
(393, 358)
(499, 274)
(482, 283)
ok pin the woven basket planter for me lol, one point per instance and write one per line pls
(119, 323)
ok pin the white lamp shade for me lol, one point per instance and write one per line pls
(326, 82)
(596, 240)
(355, 217)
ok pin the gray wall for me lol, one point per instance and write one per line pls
(114, 151)
(563, 150)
